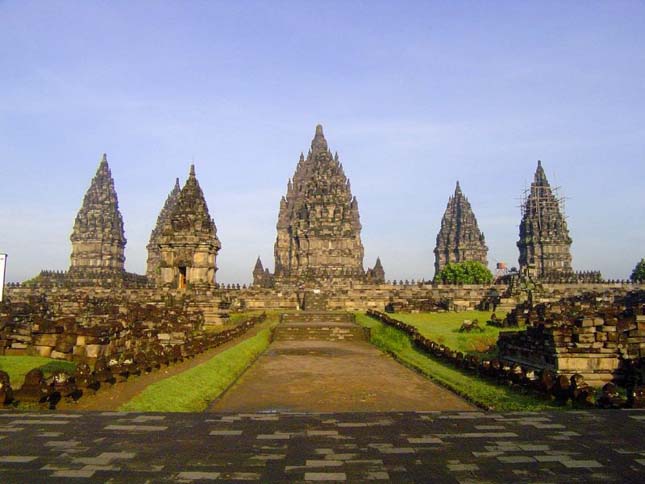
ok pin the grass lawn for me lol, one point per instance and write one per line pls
(194, 389)
(477, 390)
(18, 366)
(444, 328)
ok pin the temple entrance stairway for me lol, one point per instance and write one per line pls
(319, 326)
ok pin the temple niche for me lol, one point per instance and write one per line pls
(98, 239)
(544, 242)
(459, 238)
(187, 242)
(318, 225)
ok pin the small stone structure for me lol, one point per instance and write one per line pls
(544, 242)
(459, 239)
(376, 275)
(261, 276)
(187, 242)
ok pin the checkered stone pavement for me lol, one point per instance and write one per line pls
(567, 446)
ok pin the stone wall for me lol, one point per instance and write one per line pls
(83, 325)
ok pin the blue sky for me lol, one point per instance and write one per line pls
(412, 95)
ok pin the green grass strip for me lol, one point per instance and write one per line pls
(194, 389)
(477, 390)
(18, 366)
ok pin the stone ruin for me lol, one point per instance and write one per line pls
(592, 334)
(115, 335)
(459, 239)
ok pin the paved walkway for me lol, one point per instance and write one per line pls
(566, 447)
(333, 376)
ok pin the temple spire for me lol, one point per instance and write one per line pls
(540, 177)
(318, 225)
(544, 243)
(319, 143)
(98, 239)
(459, 239)
(154, 253)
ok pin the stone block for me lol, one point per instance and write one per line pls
(61, 356)
(45, 351)
(585, 338)
(45, 339)
(93, 351)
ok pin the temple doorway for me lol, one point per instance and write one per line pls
(182, 278)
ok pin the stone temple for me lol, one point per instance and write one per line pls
(544, 242)
(98, 239)
(459, 238)
(154, 253)
(185, 240)
(319, 228)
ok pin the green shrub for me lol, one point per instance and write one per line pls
(469, 272)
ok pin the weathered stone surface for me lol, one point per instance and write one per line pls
(459, 239)
(544, 236)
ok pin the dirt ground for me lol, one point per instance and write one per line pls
(321, 376)
(110, 399)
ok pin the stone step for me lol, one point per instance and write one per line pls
(317, 317)
(320, 332)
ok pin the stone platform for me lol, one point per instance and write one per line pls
(554, 447)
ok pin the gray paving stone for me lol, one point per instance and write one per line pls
(325, 476)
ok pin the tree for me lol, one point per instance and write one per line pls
(638, 275)
(468, 272)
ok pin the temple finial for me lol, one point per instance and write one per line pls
(192, 170)
(319, 143)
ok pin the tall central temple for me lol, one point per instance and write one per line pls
(319, 229)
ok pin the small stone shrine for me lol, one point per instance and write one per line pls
(188, 243)
(459, 239)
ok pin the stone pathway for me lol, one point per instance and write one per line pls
(583, 446)
(333, 376)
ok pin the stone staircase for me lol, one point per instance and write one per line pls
(319, 326)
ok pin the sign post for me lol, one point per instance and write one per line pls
(3, 269)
